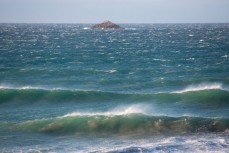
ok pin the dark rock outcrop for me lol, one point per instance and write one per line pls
(106, 25)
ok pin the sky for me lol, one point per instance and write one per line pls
(119, 11)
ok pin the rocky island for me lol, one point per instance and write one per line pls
(106, 25)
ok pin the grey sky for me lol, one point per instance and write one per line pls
(120, 11)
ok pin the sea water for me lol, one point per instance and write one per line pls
(145, 88)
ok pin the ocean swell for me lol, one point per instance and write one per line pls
(121, 125)
(29, 96)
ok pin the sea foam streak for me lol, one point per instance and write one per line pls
(27, 87)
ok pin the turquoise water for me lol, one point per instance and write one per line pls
(147, 88)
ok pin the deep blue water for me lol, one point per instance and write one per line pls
(146, 88)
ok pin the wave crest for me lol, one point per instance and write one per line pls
(202, 86)
(192, 95)
(118, 111)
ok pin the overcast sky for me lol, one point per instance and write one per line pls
(119, 11)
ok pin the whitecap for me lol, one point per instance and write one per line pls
(112, 71)
(202, 86)
(121, 110)
(156, 59)
(107, 71)
(86, 28)
(18, 87)
(190, 59)
(28, 87)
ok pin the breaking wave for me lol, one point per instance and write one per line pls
(121, 125)
(203, 86)
(121, 110)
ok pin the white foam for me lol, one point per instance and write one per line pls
(156, 59)
(17, 87)
(202, 86)
(201, 143)
(30, 87)
(107, 71)
(194, 143)
(112, 71)
(122, 110)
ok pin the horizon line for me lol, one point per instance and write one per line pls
(115, 22)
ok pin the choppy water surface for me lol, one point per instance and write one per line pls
(147, 88)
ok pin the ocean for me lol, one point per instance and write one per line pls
(146, 88)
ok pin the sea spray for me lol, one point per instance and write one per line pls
(120, 110)
(203, 86)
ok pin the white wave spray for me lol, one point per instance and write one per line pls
(122, 110)
(203, 86)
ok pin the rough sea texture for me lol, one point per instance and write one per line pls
(146, 88)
